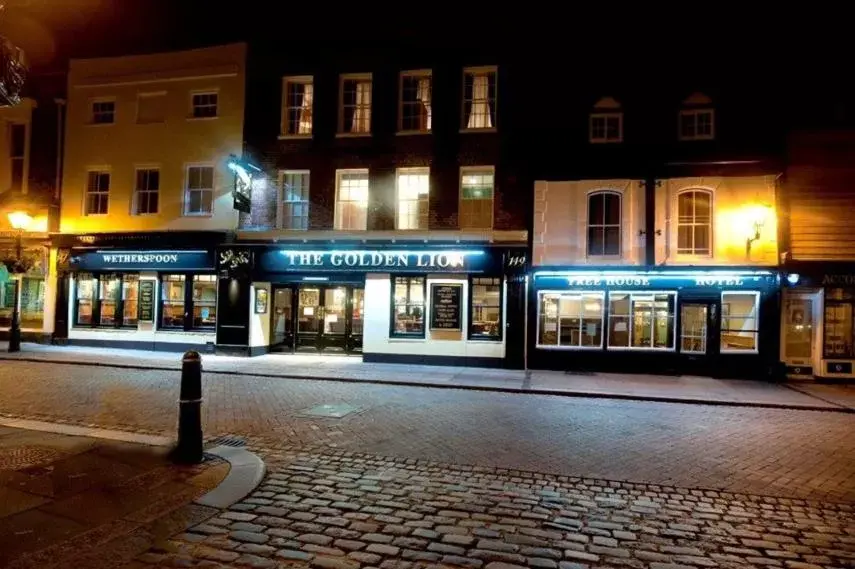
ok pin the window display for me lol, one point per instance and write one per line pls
(108, 298)
(204, 301)
(571, 319)
(486, 309)
(739, 321)
(408, 313)
(172, 293)
(642, 320)
(85, 297)
(839, 333)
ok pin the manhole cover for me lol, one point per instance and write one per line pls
(23, 457)
(333, 411)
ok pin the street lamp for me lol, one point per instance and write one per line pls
(20, 221)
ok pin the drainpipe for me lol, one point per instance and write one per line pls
(60, 117)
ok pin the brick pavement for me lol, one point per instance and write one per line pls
(349, 511)
(764, 451)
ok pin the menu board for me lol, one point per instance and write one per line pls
(147, 301)
(445, 306)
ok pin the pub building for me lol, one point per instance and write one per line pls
(447, 304)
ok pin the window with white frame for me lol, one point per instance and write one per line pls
(415, 104)
(740, 322)
(642, 320)
(476, 197)
(205, 105)
(199, 192)
(97, 193)
(694, 223)
(697, 124)
(413, 186)
(570, 319)
(294, 199)
(604, 224)
(355, 104)
(606, 121)
(351, 200)
(479, 98)
(297, 105)
(103, 112)
(151, 108)
(146, 191)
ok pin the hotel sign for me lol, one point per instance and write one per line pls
(425, 261)
(698, 279)
(108, 260)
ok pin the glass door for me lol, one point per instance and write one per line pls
(693, 331)
(334, 319)
(357, 307)
(798, 331)
(309, 318)
(282, 326)
(699, 335)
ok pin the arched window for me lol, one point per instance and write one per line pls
(694, 222)
(606, 121)
(604, 219)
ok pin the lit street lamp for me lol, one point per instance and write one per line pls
(20, 221)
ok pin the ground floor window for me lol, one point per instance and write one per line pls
(485, 309)
(408, 307)
(798, 326)
(642, 320)
(32, 305)
(106, 300)
(839, 322)
(188, 302)
(571, 319)
(739, 321)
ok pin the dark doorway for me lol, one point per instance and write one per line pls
(317, 318)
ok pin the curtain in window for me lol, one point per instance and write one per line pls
(362, 112)
(423, 95)
(480, 113)
(304, 125)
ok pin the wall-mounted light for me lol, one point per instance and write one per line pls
(793, 278)
(756, 217)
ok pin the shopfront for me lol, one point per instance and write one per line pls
(440, 305)
(715, 322)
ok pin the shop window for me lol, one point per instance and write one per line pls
(413, 189)
(408, 307)
(106, 301)
(604, 217)
(839, 322)
(130, 300)
(188, 302)
(739, 321)
(204, 301)
(85, 299)
(7, 302)
(571, 319)
(108, 297)
(798, 322)
(642, 320)
(694, 223)
(172, 294)
(476, 197)
(32, 302)
(485, 309)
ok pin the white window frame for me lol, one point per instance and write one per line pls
(603, 322)
(605, 138)
(92, 112)
(603, 226)
(469, 170)
(337, 222)
(415, 74)
(695, 113)
(194, 94)
(705, 337)
(343, 130)
(186, 189)
(756, 295)
(464, 120)
(281, 201)
(135, 202)
(98, 170)
(283, 127)
(693, 254)
(150, 95)
(631, 323)
(421, 202)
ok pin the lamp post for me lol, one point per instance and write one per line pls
(20, 221)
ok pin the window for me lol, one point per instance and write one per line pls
(408, 307)
(415, 107)
(130, 300)
(479, 98)
(297, 101)
(32, 302)
(204, 105)
(571, 319)
(172, 305)
(739, 321)
(693, 330)
(604, 217)
(798, 326)
(146, 191)
(355, 105)
(694, 223)
(97, 193)
(606, 121)
(151, 108)
(351, 203)
(17, 151)
(642, 320)
(103, 112)
(106, 300)
(413, 189)
(486, 309)
(85, 309)
(204, 301)
(839, 326)
(697, 124)
(476, 198)
(294, 202)
(7, 302)
(199, 196)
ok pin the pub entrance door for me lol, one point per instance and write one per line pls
(318, 318)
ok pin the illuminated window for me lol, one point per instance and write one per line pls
(106, 300)
(355, 104)
(604, 219)
(413, 185)
(839, 340)
(694, 223)
(294, 199)
(479, 98)
(297, 105)
(130, 300)
(204, 105)
(103, 112)
(606, 121)
(204, 301)
(408, 307)
(570, 319)
(485, 309)
(172, 301)
(85, 291)
(415, 104)
(740, 321)
(476, 198)
(351, 204)
(199, 193)
(17, 152)
(147, 190)
(97, 193)
(642, 320)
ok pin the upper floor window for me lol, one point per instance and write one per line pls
(476, 197)
(147, 190)
(103, 112)
(694, 223)
(479, 98)
(294, 201)
(604, 224)
(297, 104)
(205, 105)
(199, 192)
(413, 186)
(606, 121)
(351, 200)
(697, 118)
(17, 151)
(151, 108)
(355, 104)
(415, 107)
(97, 193)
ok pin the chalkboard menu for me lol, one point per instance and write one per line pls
(445, 306)
(147, 301)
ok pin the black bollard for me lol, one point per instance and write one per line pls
(189, 449)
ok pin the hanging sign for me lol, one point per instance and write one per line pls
(445, 306)
(146, 301)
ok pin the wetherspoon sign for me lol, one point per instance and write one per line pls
(108, 260)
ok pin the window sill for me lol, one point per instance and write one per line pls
(564, 348)
(148, 214)
(632, 349)
(485, 340)
(353, 134)
(605, 141)
(182, 331)
(191, 119)
(95, 214)
(696, 138)
(208, 214)
(111, 329)
(407, 339)
(294, 137)
(739, 352)
(412, 132)
(99, 124)
(471, 130)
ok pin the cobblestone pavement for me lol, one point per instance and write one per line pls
(347, 511)
(801, 454)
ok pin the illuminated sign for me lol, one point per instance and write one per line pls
(375, 260)
(837, 280)
(106, 260)
(659, 280)
(244, 173)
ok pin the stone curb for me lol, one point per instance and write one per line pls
(834, 408)
(246, 473)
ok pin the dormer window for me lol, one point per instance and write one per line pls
(697, 118)
(606, 121)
